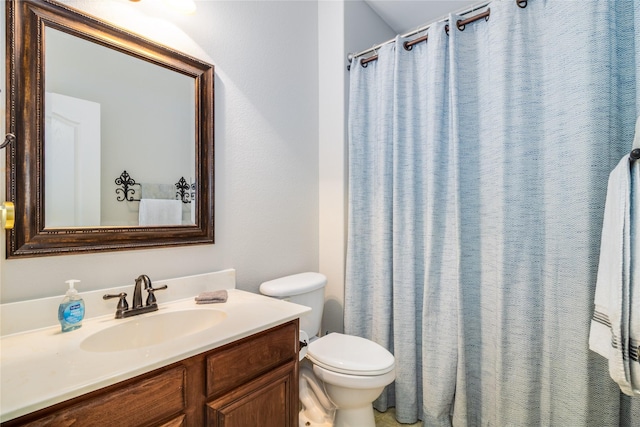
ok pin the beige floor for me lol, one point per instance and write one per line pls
(387, 419)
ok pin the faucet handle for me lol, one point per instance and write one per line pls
(123, 305)
(151, 298)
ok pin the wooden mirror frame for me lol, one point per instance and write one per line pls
(26, 21)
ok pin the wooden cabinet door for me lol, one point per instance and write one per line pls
(264, 402)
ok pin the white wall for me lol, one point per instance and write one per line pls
(343, 27)
(266, 149)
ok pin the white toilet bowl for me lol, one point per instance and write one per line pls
(354, 372)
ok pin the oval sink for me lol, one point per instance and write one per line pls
(151, 330)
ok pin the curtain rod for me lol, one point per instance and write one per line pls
(472, 9)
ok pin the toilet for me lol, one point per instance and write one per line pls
(352, 370)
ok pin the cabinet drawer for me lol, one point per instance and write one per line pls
(140, 403)
(247, 359)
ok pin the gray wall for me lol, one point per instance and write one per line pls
(343, 27)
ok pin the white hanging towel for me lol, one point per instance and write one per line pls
(160, 212)
(615, 326)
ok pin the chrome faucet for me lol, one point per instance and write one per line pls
(123, 310)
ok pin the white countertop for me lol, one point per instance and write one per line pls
(44, 367)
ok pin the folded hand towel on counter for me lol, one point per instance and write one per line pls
(160, 212)
(212, 297)
(615, 326)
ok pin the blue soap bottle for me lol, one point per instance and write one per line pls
(71, 310)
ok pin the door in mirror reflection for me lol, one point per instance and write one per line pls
(72, 173)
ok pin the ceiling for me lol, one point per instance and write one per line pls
(407, 15)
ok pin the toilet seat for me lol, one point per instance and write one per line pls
(354, 382)
(351, 355)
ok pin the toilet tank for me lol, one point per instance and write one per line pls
(305, 289)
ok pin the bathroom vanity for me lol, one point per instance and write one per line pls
(252, 381)
(229, 364)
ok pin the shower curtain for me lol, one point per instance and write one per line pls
(478, 165)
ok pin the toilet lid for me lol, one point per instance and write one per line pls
(349, 354)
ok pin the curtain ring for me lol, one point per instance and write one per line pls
(521, 3)
(446, 29)
(365, 61)
(461, 24)
(408, 45)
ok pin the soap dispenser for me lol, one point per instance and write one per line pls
(71, 310)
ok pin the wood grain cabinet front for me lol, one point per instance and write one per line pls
(254, 383)
(250, 358)
(149, 400)
(251, 382)
(265, 402)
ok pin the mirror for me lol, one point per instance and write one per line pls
(114, 136)
(85, 86)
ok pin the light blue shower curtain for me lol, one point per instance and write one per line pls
(478, 165)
